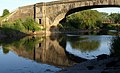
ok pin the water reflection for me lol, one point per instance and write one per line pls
(54, 52)
(89, 46)
(5, 50)
(115, 49)
(83, 44)
(40, 49)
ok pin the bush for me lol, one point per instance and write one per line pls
(7, 25)
(18, 25)
(30, 25)
(23, 25)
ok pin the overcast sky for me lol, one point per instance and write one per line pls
(14, 4)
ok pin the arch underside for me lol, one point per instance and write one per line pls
(61, 18)
(71, 11)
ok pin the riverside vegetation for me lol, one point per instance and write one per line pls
(19, 27)
(91, 19)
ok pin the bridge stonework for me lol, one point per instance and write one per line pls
(51, 13)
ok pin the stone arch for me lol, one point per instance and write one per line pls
(62, 16)
(58, 19)
(77, 9)
(71, 11)
(71, 6)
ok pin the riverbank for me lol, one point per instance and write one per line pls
(79, 30)
(11, 33)
(8, 32)
(103, 65)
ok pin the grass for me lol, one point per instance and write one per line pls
(22, 25)
(2, 18)
(27, 25)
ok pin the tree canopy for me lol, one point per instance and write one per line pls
(5, 12)
(115, 17)
(84, 19)
(91, 19)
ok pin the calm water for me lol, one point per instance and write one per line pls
(89, 46)
(50, 54)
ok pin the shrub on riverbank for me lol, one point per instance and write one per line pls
(111, 26)
(25, 25)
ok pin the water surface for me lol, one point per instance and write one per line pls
(39, 54)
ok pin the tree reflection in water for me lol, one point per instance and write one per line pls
(40, 49)
(5, 50)
(115, 47)
(83, 44)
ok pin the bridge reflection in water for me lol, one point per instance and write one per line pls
(46, 50)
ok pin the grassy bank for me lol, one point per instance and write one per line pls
(3, 17)
(23, 25)
(19, 28)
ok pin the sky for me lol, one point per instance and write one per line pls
(108, 10)
(11, 5)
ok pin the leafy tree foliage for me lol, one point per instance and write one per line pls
(91, 19)
(104, 16)
(30, 25)
(115, 17)
(86, 19)
(83, 44)
(18, 25)
(24, 25)
(5, 50)
(5, 12)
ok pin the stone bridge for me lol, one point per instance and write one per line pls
(51, 13)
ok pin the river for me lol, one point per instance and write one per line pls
(40, 54)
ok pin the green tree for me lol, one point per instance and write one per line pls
(86, 19)
(30, 25)
(5, 12)
(5, 50)
(18, 25)
(104, 16)
(83, 44)
(115, 17)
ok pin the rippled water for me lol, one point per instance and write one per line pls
(38, 54)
